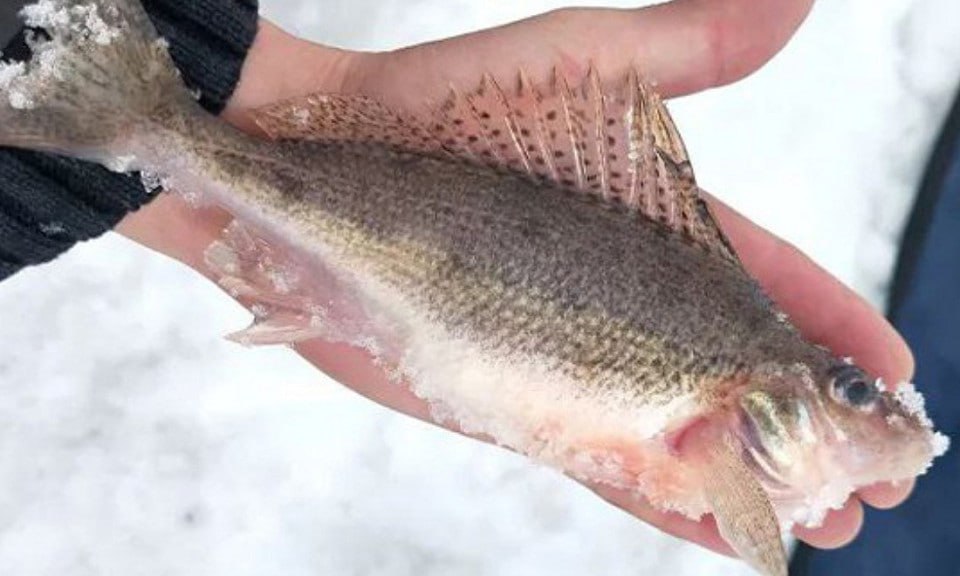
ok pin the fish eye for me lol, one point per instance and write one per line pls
(851, 387)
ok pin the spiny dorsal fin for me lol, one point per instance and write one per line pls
(621, 144)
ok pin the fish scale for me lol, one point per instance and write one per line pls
(483, 251)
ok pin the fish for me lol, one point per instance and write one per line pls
(536, 262)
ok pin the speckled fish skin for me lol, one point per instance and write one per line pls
(538, 265)
(525, 265)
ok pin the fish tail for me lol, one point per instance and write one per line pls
(100, 77)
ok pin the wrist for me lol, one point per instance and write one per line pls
(280, 66)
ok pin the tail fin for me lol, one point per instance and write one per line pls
(103, 76)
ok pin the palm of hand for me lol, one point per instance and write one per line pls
(684, 46)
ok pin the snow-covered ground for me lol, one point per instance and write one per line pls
(133, 440)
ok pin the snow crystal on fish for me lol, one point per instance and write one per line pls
(880, 384)
(913, 402)
(153, 182)
(26, 83)
(303, 116)
(940, 443)
(121, 164)
(9, 72)
(84, 19)
(50, 14)
(283, 280)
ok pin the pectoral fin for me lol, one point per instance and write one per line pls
(744, 513)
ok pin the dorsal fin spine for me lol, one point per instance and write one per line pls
(641, 153)
(456, 105)
(512, 124)
(652, 189)
(575, 130)
(526, 91)
(600, 120)
(634, 124)
(462, 103)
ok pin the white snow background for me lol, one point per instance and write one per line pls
(134, 440)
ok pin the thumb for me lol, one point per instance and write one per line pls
(683, 46)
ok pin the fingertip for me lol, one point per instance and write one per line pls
(904, 359)
(840, 527)
(716, 43)
(887, 495)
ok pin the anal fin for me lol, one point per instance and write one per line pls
(294, 294)
(279, 326)
(744, 513)
(285, 309)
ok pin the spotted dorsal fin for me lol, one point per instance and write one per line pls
(341, 117)
(619, 144)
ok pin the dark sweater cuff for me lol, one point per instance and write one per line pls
(209, 40)
(49, 203)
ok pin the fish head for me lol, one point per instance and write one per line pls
(816, 435)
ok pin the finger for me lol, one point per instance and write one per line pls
(356, 369)
(171, 226)
(839, 528)
(682, 46)
(822, 308)
(886, 495)
(703, 532)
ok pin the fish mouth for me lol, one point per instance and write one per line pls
(756, 454)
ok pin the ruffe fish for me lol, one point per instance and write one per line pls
(537, 263)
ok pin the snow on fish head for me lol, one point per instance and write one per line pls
(814, 436)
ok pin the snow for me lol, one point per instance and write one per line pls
(28, 86)
(122, 163)
(10, 72)
(84, 19)
(46, 14)
(134, 440)
(913, 402)
(939, 443)
(152, 182)
(12, 78)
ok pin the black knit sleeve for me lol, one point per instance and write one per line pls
(49, 203)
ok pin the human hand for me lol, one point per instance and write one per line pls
(684, 47)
